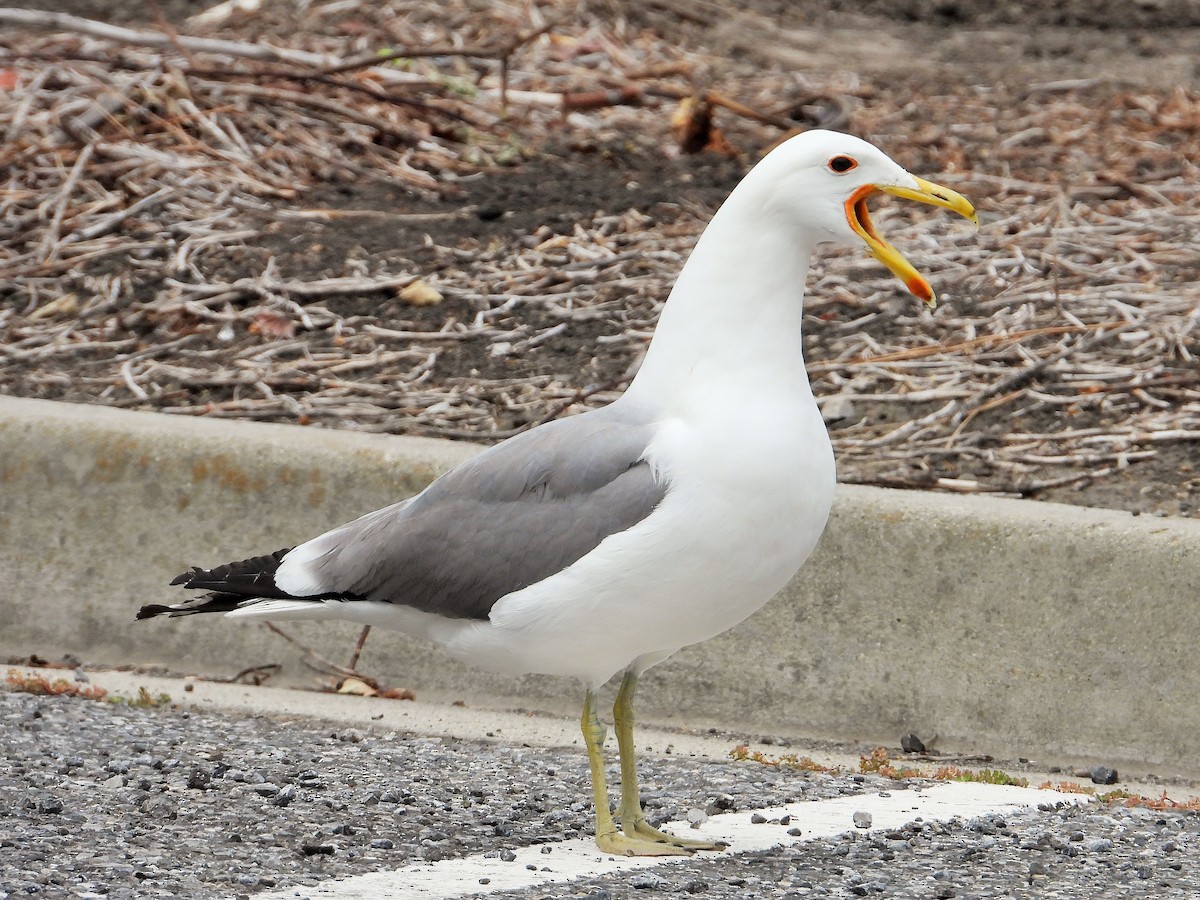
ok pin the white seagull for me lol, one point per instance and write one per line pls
(603, 543)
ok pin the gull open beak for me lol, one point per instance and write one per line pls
(925, 192)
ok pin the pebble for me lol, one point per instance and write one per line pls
(159, 808)
(862, 819)
(1103, 775)
(723, 802)
(645, 881)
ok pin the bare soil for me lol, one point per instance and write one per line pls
(553, 240)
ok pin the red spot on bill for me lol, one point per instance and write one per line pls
(920, 289)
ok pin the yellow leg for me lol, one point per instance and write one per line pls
(608, 838)
(633, 820)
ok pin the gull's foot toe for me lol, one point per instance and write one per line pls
(619, 844)
(645, 830)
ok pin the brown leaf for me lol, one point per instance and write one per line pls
(691, 123)
(358, 687)
(397, 694)
(273, 325)
(420, 293)
(718, 143)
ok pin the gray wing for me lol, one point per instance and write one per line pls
(516, 514)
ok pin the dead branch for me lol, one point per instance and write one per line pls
(56, 21)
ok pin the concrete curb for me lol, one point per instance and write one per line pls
(1010, 627)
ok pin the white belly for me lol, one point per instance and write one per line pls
(740, 519)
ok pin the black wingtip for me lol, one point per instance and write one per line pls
(252, 577)
(186, 576)
(215, 602)
(231, 586)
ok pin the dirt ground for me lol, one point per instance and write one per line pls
(894, 70)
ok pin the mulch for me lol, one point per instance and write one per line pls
(460, 221)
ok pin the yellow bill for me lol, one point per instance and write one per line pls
(925, 192)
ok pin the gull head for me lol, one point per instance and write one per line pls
(821, 181)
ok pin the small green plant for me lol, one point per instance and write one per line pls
(880, 763)
(877, 761)
(742, 753)
(143, 700)
(59, 687)
(1125, 798)
(1067, 787)
(983, 776)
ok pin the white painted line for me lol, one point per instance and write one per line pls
(580, 858)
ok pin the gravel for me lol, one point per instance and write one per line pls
(99, 800)
(1075, 851)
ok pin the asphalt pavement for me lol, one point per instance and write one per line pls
(230, 791)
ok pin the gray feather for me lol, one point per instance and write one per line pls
(516, 514)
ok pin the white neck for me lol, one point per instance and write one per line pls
(734, 314)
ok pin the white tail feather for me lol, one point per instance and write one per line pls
(286, 609)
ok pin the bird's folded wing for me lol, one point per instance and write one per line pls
(516, 514)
